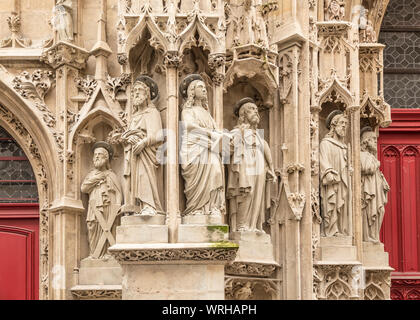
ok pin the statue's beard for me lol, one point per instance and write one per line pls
(99, 163)
(137, 103)
(254, 121)
(373, 149)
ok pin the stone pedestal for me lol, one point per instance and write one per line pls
(377, 272)
(338, 275)
(98, 279)
(253, 274)
(155, 269)
(337, 249)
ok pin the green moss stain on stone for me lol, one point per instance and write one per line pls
(225, 244)
(222, 229)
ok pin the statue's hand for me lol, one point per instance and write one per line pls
(272, 176)
(139, 147)
(330, 178)
(132, 140)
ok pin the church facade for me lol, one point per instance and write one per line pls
(196, 149)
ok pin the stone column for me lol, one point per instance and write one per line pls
(172, 60)
(67, 60)
(217, 64)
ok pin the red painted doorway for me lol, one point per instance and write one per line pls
(399, 153)
(19, 252)
(19, 223)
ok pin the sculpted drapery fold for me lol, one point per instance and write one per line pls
(249, 171)
(334, 177)
(374, 188)
(200, 154)
(142, 140)
(105, 198)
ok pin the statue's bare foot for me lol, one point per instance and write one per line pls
(148, 211)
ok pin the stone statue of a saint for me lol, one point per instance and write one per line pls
(200, 152)
(105, 198)
(374, 187)
(335, 179)
(142, 139)
(250, 171)
(62, 20)
(334, 10)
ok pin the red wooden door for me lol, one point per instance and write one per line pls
(19, 250)
(399, 152)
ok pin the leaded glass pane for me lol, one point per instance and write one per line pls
(402, 13)
(402, 49)
(17, 180)
(402, 90)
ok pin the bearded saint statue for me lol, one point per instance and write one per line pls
(105, 198)
(374, 187)
(335, 178)
(142, 139)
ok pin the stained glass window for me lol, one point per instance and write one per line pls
(17, 180)
(400, 33)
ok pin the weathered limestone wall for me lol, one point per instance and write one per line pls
(297, 60)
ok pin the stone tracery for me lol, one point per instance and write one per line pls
(237, 54)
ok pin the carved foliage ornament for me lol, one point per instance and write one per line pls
(65, 54)
(87, 86)
(94, 294)
(244, 288)
(15, 39)
(34, 86)
(118, 84)
(199, 254)
(250, 268)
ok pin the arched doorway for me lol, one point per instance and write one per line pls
(19, 223)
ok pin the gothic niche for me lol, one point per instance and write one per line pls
(335, 163)
(242, 88)
(100, 187)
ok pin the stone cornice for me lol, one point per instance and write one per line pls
(97, 292)
(191, 253)
(242, 268)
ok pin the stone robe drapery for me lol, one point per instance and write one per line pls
(248, 191)
(63, 20)
(335, 195)
(144, 124)
(374, 196)
(201, 164)
(105, 198)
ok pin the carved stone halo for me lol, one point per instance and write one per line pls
(241, 103)
(154, 90)
(106, 146)
(331, 116)
(183, 87)
(366, 131)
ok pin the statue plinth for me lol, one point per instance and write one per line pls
(337, 249)
(179, 271)
(98, 279)
(142, 229)
(254, 267)
(155, 269)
